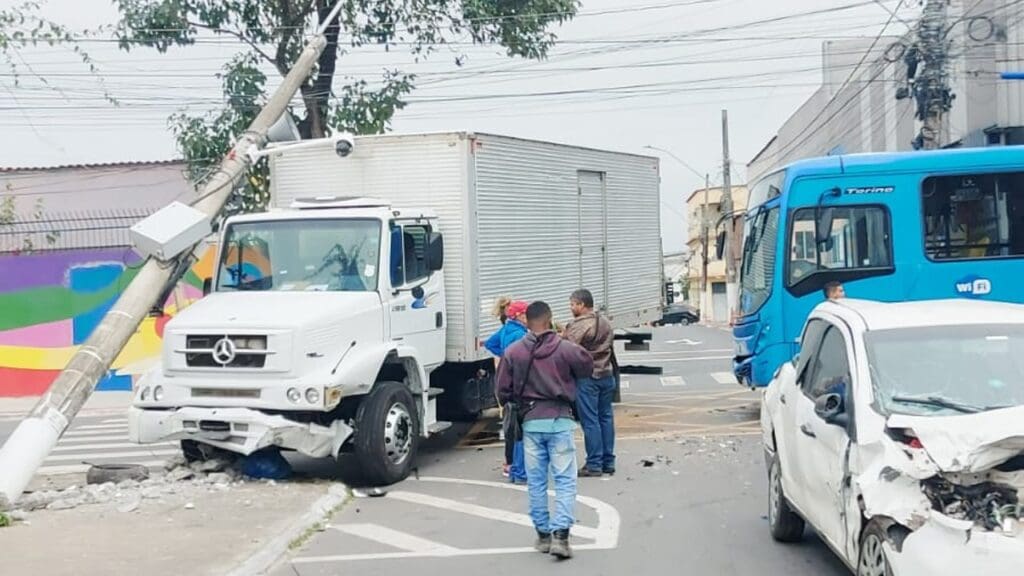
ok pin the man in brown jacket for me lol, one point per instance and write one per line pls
(594, 394)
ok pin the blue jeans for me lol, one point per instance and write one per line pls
(594, 404)
(554, 453)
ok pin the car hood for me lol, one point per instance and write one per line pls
(271, 310)
(967, 442)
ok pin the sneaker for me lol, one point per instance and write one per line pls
(588, 473)
(543, 543)
(505, 470)
(609, 471)
(560, 547)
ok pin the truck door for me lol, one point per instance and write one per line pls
(416, 321)
(593, 236)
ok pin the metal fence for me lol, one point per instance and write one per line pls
(80, 230)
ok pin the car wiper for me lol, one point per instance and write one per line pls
(938, 402)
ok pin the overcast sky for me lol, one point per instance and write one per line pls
(626, 74)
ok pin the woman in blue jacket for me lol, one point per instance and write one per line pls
(512, 331)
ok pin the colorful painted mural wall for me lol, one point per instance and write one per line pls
(51, 301)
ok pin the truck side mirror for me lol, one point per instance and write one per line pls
(435, 252)
(720, 245)
(207, 286)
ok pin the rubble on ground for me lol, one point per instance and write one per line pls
(177, 483)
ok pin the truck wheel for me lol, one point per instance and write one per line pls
(387, 434)
(786, 525)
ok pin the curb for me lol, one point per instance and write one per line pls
(268, 557)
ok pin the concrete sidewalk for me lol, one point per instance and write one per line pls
(194, 528)
(98, 404)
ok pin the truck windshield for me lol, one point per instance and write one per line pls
(309, 255)
(946, 370)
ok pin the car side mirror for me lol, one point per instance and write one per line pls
(829, 407)
(207, 286)
(435, 252)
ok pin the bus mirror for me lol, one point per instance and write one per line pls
(435, 252)
(720, 245)
(823, 225)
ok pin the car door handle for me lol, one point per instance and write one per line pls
(807, 431)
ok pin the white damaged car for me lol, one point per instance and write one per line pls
(898, 434)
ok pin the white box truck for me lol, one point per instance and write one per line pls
(349, 314)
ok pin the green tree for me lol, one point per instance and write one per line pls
(274, 34)
(22, 26)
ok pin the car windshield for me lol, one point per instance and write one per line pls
(310, 255)
(944, 370)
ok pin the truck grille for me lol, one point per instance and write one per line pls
(234, 351)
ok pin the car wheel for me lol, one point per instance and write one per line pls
(684, 321)
(872, 561)
(786, 525)
(387, 434)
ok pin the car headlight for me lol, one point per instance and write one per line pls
(312, 396)
(158, 393)
(293, 395)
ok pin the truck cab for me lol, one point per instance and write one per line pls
(323, 324)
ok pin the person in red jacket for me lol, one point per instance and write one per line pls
(539, 374)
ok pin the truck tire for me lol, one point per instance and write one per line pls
(387, 434)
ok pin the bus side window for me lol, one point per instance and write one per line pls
(973, 216)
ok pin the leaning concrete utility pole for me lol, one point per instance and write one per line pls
(726, 207)
(38, 433)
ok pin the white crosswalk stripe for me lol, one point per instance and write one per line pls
(102, 442)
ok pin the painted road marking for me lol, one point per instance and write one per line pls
(120, 426)
(68, 448)
(686, 341)
(673, 381)
(396, 539)
(115, 421)
(480, 511)
(83, 468)
(724, 377)
(111, 455)
(97, 438)
(605, 535)
(624, 384)
(75, 434)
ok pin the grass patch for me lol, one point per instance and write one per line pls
(5, 520)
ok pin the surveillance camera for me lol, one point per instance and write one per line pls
(343, 147)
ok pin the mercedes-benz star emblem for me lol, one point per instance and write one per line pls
(224, 351)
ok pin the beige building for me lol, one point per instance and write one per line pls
(714, 305)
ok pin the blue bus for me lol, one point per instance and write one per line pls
(889, 227)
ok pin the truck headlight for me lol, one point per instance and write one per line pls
(293, 395)
(158, 393)
(312, 396)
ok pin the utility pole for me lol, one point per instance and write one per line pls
(931, 87)
(705, 226)
(727, 209)
(38, 433)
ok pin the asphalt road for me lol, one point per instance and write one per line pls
(689, 496)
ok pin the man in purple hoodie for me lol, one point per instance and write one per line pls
(539, 374)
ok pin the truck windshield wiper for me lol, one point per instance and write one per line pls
(938, 402)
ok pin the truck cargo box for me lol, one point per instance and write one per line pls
(527, 219)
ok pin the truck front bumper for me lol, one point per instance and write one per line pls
(240, 430)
